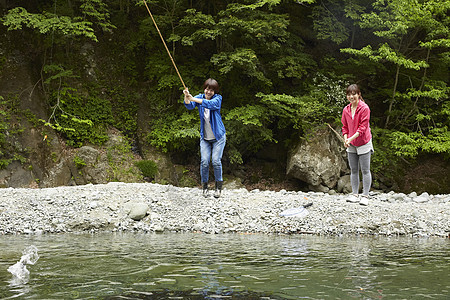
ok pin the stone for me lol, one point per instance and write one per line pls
(138, 211)
(344, 184)
(88, 155)
(20, 177)
(120, 207)
(420, 199)
(317, 161)
(412, 195)
(319, 188)
(232, 184)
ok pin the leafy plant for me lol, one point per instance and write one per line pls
(247, 131)
(395, 24)
(47, 22)
(174, 133)
(79, 162)
(148, 168)
(80, 119)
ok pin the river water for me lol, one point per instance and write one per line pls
(226, 266)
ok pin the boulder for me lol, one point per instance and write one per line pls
(17, 176)
(138, 211)
(319, 160)
(84, 167)
(344, 184)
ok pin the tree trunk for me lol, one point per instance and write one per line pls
(393, 96)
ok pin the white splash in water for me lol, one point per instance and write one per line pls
(19, 270)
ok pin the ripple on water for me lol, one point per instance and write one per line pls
(199, 266)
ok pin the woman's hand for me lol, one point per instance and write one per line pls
(348, 140)
(346, 143)
(187, 96)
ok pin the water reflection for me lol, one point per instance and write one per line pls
(199, 266)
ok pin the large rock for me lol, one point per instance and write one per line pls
(168, 172)
(84, 166)
(318, 161)
(16, 176)
(137, 211)
(112, 162)
(344, 184)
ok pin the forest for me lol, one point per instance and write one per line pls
(283, 67)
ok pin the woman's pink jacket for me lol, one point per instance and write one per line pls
(360, 123)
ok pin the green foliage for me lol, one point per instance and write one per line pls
(241, 41)
(383, 161)
(195, 19)
(302, 112)
(412, 37)
(241, 59)
(279, 64)
(57, 72)
(81, 119)
(293, 65)
(148, 168)
(124, 109)
(62, 21)
(5, 149)
(174, 133)
(410, 144)
(235, 7)
(247, 131)
(10, 150)
(47, 23)
(79, 162)
(97, 11)
(394, 148)
(386, 54)
(250, 127)
(330, 91)
(4, 120)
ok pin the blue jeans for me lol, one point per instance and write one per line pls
(211, 151)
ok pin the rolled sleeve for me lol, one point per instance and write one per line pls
(364, 121)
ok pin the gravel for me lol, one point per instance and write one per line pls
(148, 207)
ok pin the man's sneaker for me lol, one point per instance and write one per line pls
(353, 198)
(364, 200)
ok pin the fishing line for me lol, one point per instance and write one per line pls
(162, 39)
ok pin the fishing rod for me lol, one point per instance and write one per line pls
(339, 136)
(162, 39)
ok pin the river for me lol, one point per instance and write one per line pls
(226, 266)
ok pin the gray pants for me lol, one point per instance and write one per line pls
(356, 161)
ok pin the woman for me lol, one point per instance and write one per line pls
(358, 141)
(212, 132)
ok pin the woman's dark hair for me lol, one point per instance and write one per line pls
(353, 89)
(211, 84)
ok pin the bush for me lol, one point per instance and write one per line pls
(148, 168)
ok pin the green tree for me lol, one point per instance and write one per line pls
(247, 46)
(56, 29)
(413, 37)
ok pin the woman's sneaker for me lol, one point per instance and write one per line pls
(205, 189)
(353, 198)
(364, 200)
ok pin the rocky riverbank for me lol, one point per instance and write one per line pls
(147, 207)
